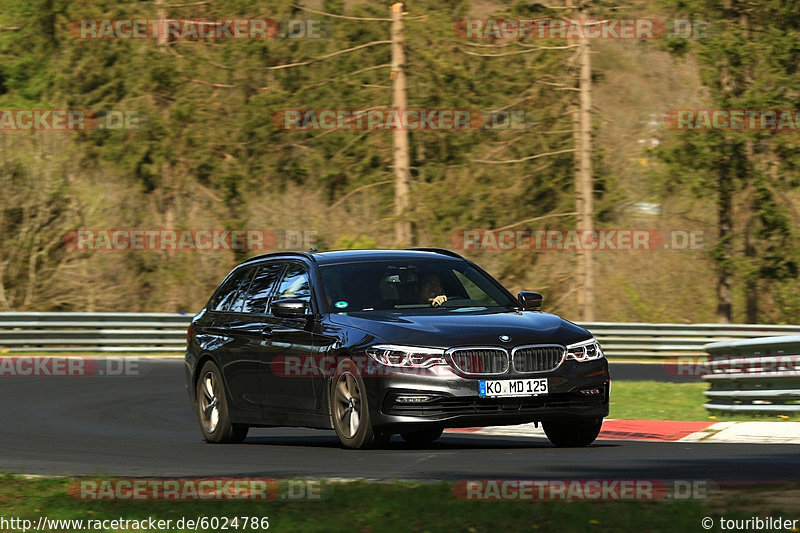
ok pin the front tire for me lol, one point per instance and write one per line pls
(350, 409)
(422, 437)
(212, 408)
(572, 432)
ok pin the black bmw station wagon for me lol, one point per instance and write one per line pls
(372, 343)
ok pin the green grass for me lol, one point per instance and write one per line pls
(653, 400)
(399, 506)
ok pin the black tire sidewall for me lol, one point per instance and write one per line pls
(573, 432)
(422, 437)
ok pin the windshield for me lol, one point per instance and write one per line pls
(397, 285)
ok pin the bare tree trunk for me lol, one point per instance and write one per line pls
(162, 17)
(3, 300)
(91, 303)
(402, 177)
(725, 192)
(168, 191)
(751, 284)
(750, 253)
(584, 186)
(168, 194)
(725, 245)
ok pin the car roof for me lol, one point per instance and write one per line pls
(357, 256)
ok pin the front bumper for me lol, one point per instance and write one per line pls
(576, 389)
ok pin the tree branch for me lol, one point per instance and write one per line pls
(517, 52)
(529, 158)
(220, 85)
(357, 189)
(340, 16)
(537, 218)
(327, 56)
(189, 5)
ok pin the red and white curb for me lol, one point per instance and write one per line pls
(668, 431)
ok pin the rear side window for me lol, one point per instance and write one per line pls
(295, 284)
(261, 288)
(227, 295)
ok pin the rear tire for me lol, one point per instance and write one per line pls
(572, 432)
(349, 409)
(422, 437)
(212, 408)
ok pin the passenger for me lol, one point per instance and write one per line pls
(430, 291)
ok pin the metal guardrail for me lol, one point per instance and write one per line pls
(754, 375)
(93, 332)
(166, 332)
(637, 340)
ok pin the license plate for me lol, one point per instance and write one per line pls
(512, 387)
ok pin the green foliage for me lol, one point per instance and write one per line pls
(212, 153)
(362, 242)
(748, 60)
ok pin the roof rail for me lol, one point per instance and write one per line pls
(443, 251)
(307, 255)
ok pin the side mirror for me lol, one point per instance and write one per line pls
(289, 308)
(531, 301)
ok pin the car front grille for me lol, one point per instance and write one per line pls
(537, 358)
(480, 361)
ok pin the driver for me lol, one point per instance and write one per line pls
(430, 290)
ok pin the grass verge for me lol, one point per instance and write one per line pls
(653, 400)
(403, 506)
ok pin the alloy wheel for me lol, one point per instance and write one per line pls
(209, 402)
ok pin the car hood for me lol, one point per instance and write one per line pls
(445, 329)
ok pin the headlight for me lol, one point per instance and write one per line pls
(407, 356)
(587, 350)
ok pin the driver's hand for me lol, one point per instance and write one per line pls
(439, 300)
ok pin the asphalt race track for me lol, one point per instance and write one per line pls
(142, 426)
